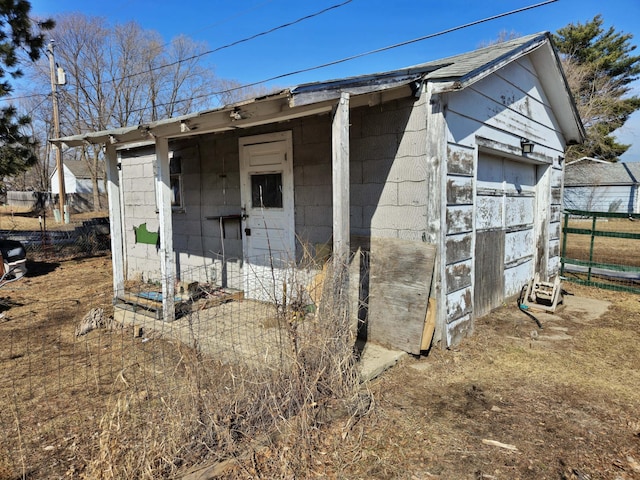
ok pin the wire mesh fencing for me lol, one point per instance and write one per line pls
(601, 249)
(98, 387)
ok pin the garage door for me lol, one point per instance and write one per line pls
(504, 222)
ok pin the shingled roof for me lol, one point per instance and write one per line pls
(588, 173)
(453, 68)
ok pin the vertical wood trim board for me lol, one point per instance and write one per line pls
(115, 214)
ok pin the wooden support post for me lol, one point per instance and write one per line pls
(340, 170)
(163, 193)
(340, 174)
(115, 216)
(436, 144)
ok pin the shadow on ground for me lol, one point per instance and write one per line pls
(37, 268)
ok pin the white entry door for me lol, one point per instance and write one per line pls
(268, 234)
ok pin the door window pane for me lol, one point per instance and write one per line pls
(266, 190)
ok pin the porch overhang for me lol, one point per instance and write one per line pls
(280, 107)
(335, 99)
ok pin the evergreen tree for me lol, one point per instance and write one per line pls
(17, 35)
(600, 68)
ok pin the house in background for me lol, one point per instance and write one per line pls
(448, 173)
(79, 187)
(77, 179)
(598, 186)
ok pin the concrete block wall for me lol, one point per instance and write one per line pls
(388, 170)
(312, 176)
(208, 248)
(139, 206)
(387, 175)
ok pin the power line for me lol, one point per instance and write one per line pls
(360, 55)
(327, 64)
(223, 21)
(233, 44)
(207, 27)
(217, 49)
(46, 97)
(24, 97)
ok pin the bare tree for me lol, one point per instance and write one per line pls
(122, 76)
(503, 36)
(40, 128)
(232, 91)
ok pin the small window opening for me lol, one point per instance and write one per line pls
(266, 190)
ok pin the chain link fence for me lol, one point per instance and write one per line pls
(82, 237)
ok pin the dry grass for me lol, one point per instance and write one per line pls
(22, 218)
(108, 405)
(606, 250)
(569, 406)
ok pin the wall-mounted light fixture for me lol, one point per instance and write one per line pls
(526, 145)
(145, 131)
(237, 114)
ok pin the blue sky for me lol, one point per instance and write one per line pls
(354, 28)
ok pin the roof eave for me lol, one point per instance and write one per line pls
(361, 85)
(277, 108)
(461, 82)
(564, 106)
(228, 117)
(548, 64)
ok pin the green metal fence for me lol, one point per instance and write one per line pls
(601, 249)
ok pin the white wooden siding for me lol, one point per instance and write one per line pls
(517, 197)
(505, 106)
(458, 231)
(509, 186)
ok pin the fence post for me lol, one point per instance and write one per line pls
(564, 243)
(593, 236)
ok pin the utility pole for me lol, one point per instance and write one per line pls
(56, 131)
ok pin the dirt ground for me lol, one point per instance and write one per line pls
(568, 407)
(511, 402)
(564, 399)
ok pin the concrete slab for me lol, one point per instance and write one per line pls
(585, 309)
(375, 359)
(577, 309)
